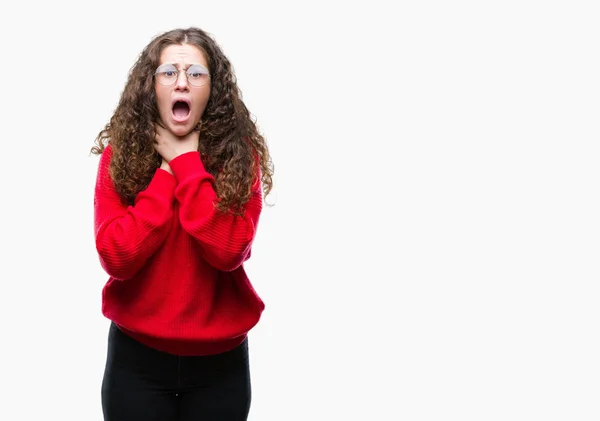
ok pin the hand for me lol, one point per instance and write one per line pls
(170, 146)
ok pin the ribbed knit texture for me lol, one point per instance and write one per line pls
(175, 263)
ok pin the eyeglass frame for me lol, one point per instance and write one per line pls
(177, 71)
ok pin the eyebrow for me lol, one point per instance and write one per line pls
(184, 66)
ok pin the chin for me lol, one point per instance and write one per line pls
(181, 130)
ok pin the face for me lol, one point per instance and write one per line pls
(180, 103)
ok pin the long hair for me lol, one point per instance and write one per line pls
(231, 147)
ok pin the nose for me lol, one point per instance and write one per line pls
(182, 83)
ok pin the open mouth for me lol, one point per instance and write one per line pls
(181, 110)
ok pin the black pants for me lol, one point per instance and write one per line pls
(141, 383)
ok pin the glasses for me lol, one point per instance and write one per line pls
(167, 74)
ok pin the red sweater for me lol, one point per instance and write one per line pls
(175, 263)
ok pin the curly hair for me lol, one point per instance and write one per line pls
(231, 147)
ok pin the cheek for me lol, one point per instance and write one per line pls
(162, 107)
(202, 100)
(163, 101)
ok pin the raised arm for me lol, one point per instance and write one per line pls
(225, 239)
(126, 236)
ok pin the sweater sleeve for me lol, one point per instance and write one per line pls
(126, 236)
(225, 239)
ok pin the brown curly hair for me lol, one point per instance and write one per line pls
(231, 147)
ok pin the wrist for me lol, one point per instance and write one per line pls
(165, 166)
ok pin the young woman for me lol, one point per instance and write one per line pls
(178, 196)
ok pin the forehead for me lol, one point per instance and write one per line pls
(184, 53)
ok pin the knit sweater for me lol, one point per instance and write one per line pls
(175, 263)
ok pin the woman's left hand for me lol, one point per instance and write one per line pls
(170, 146)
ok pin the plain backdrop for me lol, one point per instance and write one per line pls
(432, 251)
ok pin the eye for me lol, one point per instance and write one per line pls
(169, 73)
(197, 71)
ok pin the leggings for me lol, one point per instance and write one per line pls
(141, 383)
